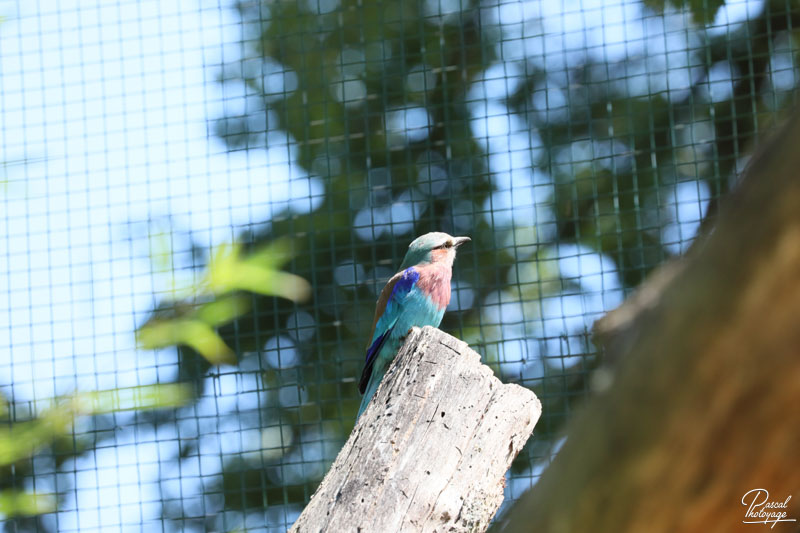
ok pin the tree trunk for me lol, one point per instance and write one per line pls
(431, 450)
(703, 407)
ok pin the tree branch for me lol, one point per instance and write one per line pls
(431, 450)
(703, 404)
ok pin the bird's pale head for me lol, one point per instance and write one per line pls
(434, 247)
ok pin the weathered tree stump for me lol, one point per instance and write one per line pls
(431, 451)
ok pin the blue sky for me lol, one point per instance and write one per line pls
(110, 101)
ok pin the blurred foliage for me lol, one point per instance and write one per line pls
(643, 137)
(17, 503)
(217, 300)
(23, 439)
(58, 431)
(703, 11)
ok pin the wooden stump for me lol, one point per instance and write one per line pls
(431, 451)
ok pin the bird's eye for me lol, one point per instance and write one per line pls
(449, 244)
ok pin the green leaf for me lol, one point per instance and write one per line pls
(229, 271)
(24, 439)
(186, 331)
(219, 312)
(271, 283)
(157, 396)
(18, 503)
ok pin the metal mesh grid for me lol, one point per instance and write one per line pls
(165, 162)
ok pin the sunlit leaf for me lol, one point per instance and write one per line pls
(25, 438)
(271, 282)
(229, 271)
(186, 331)
(156, 396)
(222, 267)
(223, 310)
(17, 503)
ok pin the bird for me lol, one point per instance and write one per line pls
(416, 296)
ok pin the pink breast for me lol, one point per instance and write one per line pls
(434, 280)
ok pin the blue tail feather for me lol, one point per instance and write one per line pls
(372, 388)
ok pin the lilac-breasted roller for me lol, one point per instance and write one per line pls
(415, 296)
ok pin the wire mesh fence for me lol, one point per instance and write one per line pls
(201, 201)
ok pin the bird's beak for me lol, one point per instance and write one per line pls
(458, 241)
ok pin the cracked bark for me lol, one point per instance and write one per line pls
(441, 428)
